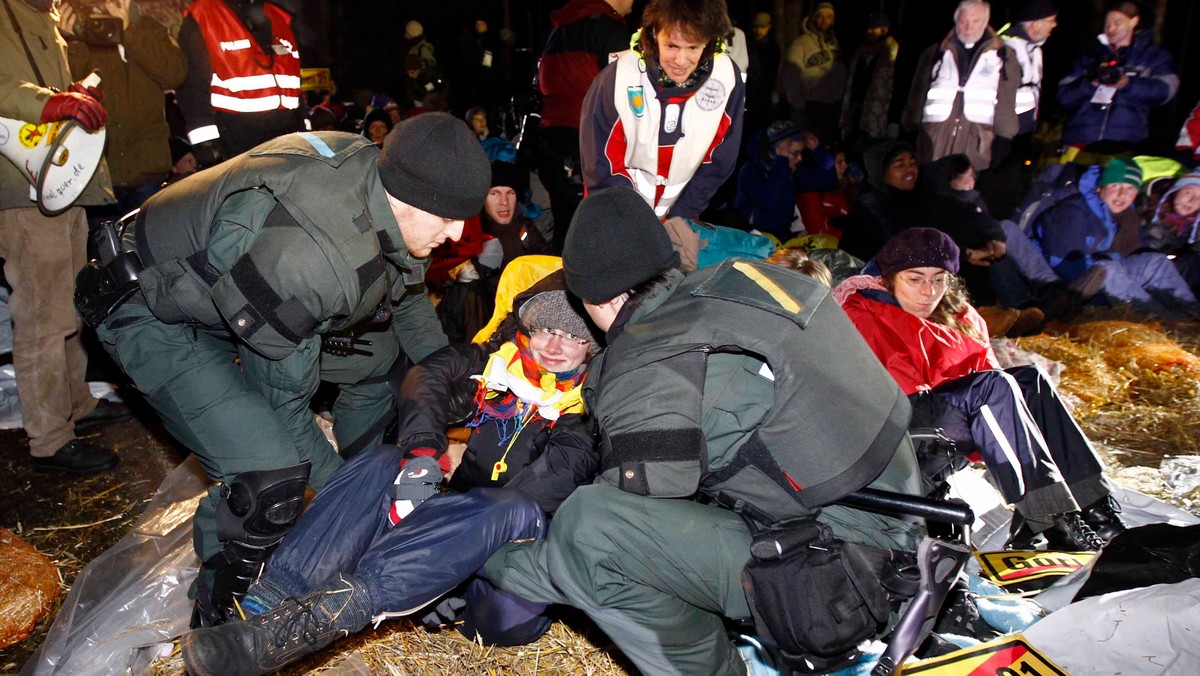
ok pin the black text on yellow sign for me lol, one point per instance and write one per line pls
(1007, 656)
(1011, 568)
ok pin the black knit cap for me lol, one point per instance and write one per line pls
(1035, 9)
(614, 244)
(918, 248)
(509, 175)
(434, 163)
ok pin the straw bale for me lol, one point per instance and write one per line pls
(1086, 375)
(1116, 333)
(28, 587)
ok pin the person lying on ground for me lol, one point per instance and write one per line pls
(373, 543)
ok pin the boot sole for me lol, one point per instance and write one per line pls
(53, 469)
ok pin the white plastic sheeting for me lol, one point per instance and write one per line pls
(133, 597)
(129, 603)
(1147, 631)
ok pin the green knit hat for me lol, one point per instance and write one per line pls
(1121, 171)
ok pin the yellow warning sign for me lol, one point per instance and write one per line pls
(1007, 656)
(1010, 569)
(315, 79)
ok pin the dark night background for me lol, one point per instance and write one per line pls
(362, 40)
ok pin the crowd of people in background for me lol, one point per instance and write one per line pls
(738, 146)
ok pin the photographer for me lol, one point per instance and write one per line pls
(138, 59)
(1112, 87)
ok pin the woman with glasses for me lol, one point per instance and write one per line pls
(915, 316)
(375, 543)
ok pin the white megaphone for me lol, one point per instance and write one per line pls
(58, 158)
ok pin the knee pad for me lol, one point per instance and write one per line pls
(257, 509)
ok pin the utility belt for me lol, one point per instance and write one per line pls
(106, 282)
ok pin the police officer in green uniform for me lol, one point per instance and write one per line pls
(247, 269)
(734, 395)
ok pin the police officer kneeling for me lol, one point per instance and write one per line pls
(247, 268)
(733, 399)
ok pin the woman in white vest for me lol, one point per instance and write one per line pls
(666, 116)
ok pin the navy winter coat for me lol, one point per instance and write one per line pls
(1152, 82)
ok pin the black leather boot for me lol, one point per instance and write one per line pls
(1104, 516)
(1068, 533)
(268, 642)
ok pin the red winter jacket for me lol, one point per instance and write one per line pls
(919, 354)
(587, 33)
(451, 254)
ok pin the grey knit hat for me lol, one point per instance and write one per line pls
(434, 163)
(553, 310)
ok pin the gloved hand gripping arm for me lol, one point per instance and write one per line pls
(420, 473)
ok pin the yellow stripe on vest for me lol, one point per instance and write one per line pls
(785, 301)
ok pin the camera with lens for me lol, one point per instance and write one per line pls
(103, 31)
(1109, 72)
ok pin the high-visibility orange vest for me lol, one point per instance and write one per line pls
(245, 79)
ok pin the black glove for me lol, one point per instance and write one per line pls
(444, 614)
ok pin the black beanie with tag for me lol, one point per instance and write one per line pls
(614, 244)
(434, 163)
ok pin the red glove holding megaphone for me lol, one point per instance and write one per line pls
(73, 105)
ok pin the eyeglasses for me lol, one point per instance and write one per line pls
(547, 334)
(918, 281)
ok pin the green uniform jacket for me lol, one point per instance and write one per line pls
(687, 403)
(292, 239)
(22, 98)
(137, 148)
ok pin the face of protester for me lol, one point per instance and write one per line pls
(901, 174)
(678, 53)
(500, 205)
(422, 231)
(876, 34)
(1187, 200)
(964, 181)
(479, 123)
(1039, 31)
(760, 32)
(377, 130)
(1118, 196)
(556, 350)
(971, 23)
(823, 20)
(919, 290)
(623, 7)
(1119, 29)
(187, 165)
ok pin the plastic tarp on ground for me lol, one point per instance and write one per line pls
(133, 597)
(129, 603)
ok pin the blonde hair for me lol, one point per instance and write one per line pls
(798, 260)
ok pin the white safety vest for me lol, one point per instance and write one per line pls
(1029, 55)
(979, 93)
(700, 119)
